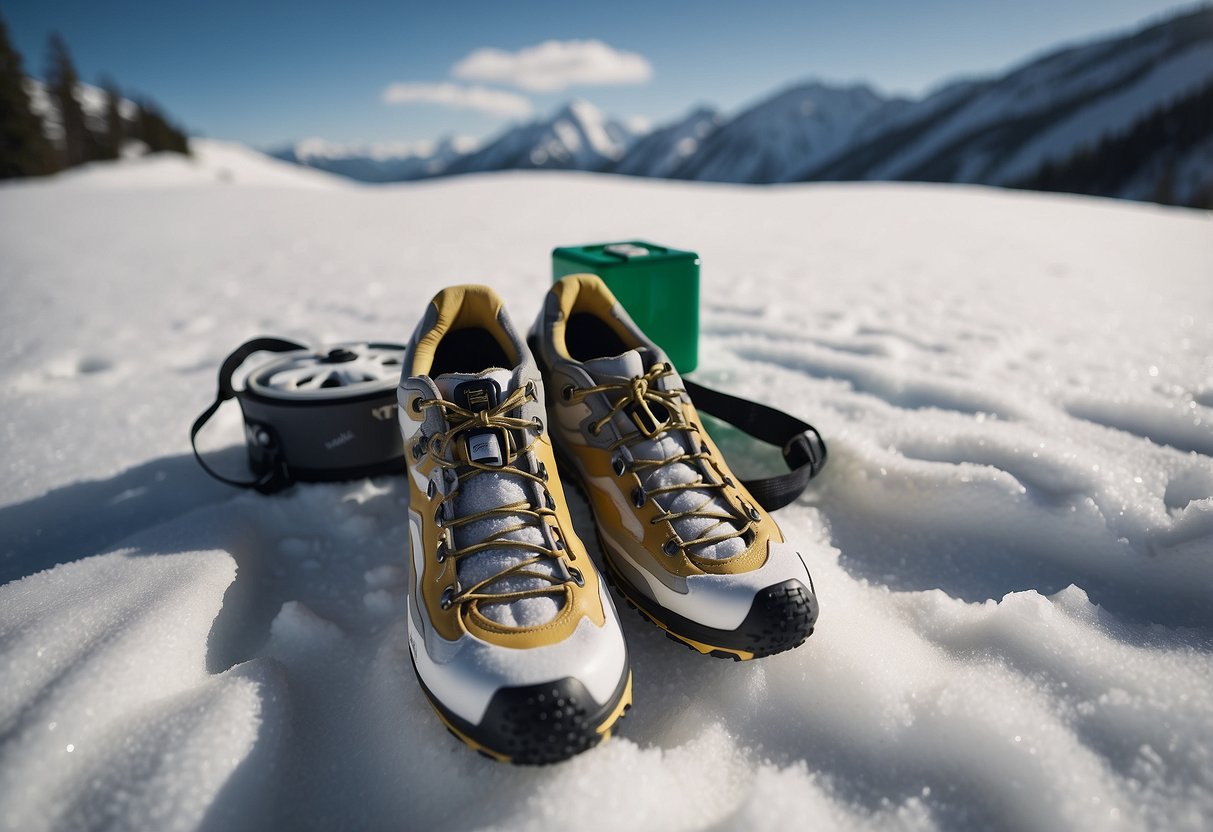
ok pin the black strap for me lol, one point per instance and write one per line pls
(276, 476)
(803, 448)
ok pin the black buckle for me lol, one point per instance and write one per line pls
(806, 448)
(266, 458)
(277, 478)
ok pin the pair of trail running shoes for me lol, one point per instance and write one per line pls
(512, 632)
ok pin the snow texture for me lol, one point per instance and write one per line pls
(1013, 541)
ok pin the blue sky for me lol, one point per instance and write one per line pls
(267, 73)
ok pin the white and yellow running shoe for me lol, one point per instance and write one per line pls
(683, 539)
(514, 640)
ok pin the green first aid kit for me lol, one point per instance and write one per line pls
(658, 286)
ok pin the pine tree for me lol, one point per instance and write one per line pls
(156, 131)
(115, 126)
(24, 150)
(79, 144)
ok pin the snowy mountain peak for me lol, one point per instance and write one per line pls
(581, 111)
(378, 161)
(1120, 116)
(577, 136)
(664, 149)
(772, 140)
(605, 138)
(315, 148)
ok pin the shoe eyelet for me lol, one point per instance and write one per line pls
(538, 423)
(415, 404)
(440, 553)
(619, 465)
(670, 547)
(593, 429)
(440, 514)
(549, 501)
(576, 575)
(419, 448)
(531, 390)
(448, 598)
(703, 448)
(431, 490)
(754, 515)
(566, 392)
(639, 497)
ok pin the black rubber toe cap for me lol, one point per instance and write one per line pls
(781, 617)
(538, 724)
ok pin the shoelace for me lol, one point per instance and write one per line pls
(642, 393)
(440, 445)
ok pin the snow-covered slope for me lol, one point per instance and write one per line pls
(661, 151)
(1013, 541)
(576, 137)
(1004, 130)
(782, 136)
(211, 162)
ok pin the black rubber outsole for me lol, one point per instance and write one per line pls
(538, 724)
(781, 618)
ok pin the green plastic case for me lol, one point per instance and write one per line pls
(658, 286)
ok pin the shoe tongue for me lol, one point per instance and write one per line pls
(449, 385)
(476, 392)
(625, 365)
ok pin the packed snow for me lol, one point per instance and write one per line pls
(1012, 542)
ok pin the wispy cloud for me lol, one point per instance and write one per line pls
(555, 65)
(459, 97)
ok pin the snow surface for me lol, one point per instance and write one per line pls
(1013, 541)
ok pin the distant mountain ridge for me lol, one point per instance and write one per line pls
(1035, 126)
(775, 139)
(577, 137)
(1004, 130)
(378, 164)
